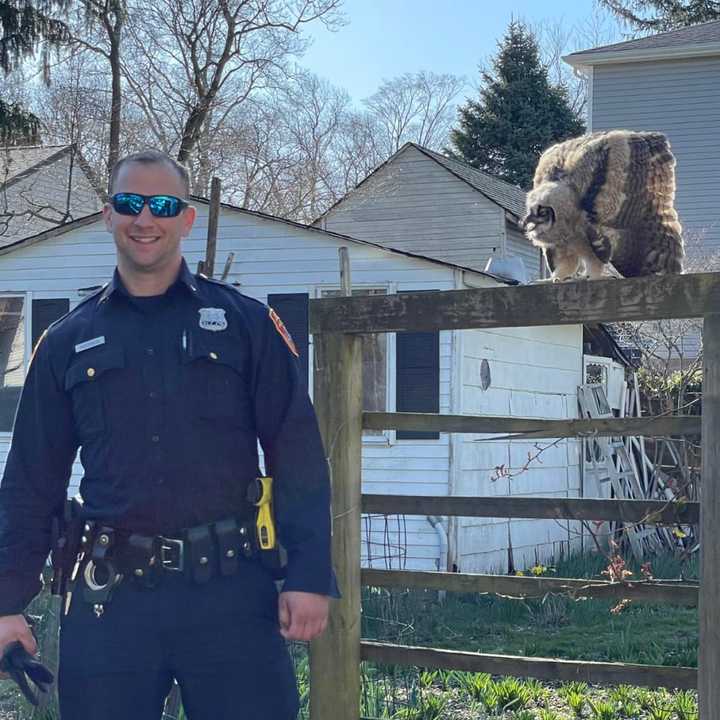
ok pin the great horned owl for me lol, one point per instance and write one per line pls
(606, 198)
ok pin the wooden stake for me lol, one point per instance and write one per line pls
(228, 265)
(209, 264)
(345, 279)
(709, 607)
(335, 656)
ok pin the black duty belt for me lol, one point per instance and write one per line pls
(199, 552)
(109, 555)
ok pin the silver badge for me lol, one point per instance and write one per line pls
(213, 319)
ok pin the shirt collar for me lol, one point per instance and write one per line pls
(185, 279)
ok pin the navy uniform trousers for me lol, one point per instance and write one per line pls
(220, 640)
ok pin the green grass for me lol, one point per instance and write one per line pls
(554, 627)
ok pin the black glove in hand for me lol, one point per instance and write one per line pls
(20, 665)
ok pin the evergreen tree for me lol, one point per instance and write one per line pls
(661, 15)
(26, 27)
(17, 126)
(519, 113)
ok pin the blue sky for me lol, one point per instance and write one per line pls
(386, 38)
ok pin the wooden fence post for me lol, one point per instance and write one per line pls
(709, 608)
(335, 656)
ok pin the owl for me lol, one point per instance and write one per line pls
(606, 198)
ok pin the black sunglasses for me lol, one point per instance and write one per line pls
(163, 206)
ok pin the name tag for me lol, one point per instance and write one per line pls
(90, 344)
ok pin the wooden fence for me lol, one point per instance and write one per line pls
(338, 324)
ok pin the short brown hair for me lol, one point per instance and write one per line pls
(150, 157)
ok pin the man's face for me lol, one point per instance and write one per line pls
(147, 244)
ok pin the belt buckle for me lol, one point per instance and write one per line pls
(170, 545)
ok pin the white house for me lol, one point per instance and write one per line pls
(531, 372)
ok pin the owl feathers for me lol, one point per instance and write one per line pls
(606, 198)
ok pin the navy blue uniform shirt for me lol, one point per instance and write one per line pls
(166, 397)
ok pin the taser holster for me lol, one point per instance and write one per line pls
(270, 552)
(66, 532)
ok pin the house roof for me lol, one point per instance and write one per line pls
(39, 201)
(19, 160)
(696, 40)
(507, 196)
(89, 219)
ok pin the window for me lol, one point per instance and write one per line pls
(12, 358)
(374, 362)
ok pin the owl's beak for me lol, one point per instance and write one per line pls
(529, 222)
(537, 218)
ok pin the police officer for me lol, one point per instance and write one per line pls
(166, 380)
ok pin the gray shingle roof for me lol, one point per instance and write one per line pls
(705, 33)
(509, 197)
(17, 160)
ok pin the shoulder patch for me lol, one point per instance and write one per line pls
(284, 332)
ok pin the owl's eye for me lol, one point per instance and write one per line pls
(543, 212)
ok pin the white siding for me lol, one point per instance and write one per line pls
(680, 98)
(518, 244)
(414, 204)
(534, 373)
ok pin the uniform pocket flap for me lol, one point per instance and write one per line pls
(93, 366)
(219, 352)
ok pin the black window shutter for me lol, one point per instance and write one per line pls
(46, 312)
(417, 379)
(293, 311)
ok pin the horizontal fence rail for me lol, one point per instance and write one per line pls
(652, 512)
(542, 668)
(529, 427)
(651, 591)
(572, 303)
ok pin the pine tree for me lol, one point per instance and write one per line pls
(519, 113)
(662, 15)
(26, 27)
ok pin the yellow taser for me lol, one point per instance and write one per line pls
(265, 523)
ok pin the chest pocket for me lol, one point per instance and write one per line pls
(85, 380)
(217, 381)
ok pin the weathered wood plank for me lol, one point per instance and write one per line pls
(630, 426)
(542, 668)
(685, 594)
(335, 655)
(573, 303)
(709, 608)
(646, 511)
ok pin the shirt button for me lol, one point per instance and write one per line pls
(152, 395)
(91, 372)
(213, 356)
(150, 351)
(155, 438)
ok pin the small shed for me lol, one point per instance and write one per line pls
(423, 202)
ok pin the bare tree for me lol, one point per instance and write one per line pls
(97, 26)
(195, 63)
(75, 108)
(556, 39)
(417, 107)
